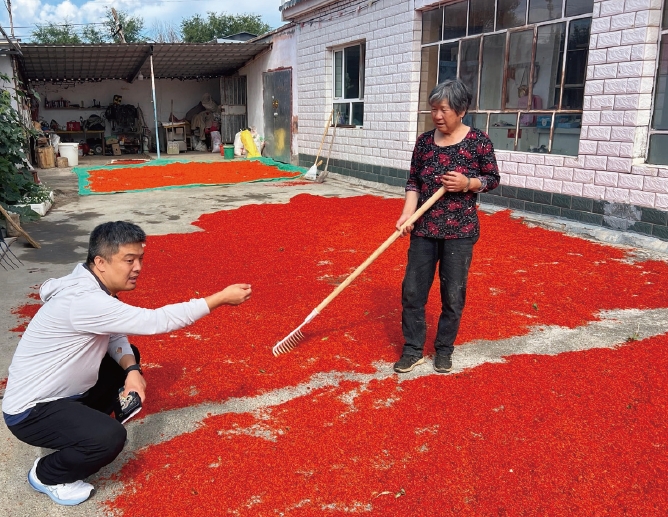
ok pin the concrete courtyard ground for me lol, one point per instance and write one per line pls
(64, 232)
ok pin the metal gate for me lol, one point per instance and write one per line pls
(277, 93)
(233, 116)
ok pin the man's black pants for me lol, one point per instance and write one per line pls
(85, 437)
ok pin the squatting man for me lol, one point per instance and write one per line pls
(75, 357)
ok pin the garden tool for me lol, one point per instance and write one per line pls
(293, 339)
(313, 171)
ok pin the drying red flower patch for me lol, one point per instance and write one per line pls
(521, 277)
(573, 434)
(580, 433)
(25, 312)
(127, 162)
(182, 173)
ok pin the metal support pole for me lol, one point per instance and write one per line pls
(155, 109)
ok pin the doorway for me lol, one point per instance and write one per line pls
(277, 97)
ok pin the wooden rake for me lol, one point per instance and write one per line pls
(294, 337)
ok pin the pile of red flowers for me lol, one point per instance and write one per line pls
(580, 433)
(120, 179)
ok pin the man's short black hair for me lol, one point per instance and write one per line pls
(107, 238)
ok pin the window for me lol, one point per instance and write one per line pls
(658, 140)
(348, 102)
(525, 62)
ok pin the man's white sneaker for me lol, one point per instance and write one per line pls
(68, 494)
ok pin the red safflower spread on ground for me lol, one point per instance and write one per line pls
(182, 173)
(580, 433)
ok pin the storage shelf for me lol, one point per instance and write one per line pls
(79, 108)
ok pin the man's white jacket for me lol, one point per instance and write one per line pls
(60, 352)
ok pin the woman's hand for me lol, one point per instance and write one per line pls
(402, 220)
(454, 181)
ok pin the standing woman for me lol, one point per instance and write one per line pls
(461, 158)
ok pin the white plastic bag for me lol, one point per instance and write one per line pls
(54, 139)
(215, 141)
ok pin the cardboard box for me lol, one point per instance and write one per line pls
(115, 149)
(172, 148)
(62, 161)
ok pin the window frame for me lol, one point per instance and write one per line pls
(506, 110)
(342, 99)
(663, 37)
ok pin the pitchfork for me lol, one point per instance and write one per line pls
(294, 337)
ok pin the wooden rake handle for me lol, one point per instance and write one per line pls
(32, 242)
(324, 134)
(418, 213)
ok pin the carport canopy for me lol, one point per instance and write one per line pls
(126, 60)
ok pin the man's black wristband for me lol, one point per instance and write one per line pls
(134, 367)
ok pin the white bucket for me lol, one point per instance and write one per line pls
(70, 151)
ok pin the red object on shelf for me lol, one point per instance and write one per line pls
(73, 126)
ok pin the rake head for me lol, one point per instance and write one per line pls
(293, 338)
(288, 343)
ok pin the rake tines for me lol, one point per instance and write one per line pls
(5, 258)
(293, 338)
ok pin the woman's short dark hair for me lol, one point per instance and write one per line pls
(107, 238)
(454, 91)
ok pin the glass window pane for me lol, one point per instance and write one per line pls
(502, 131)
(341, 113)
(665, 16)
(547, 66)
(660, 117)
(567, 130)
(511, 13)
(447, 65)
(428, 75)
(351, 81)
(576, 7)
(338, 74)
(481, 16)
(477, 120)
(455, 20)
(362, 65)
(543, 10)
(425, 123)
(529, 139)
(658, 150)
(432, 25)
(358, 113)
(468, 69)
(493, 54)
(576, 63)
(519, 69)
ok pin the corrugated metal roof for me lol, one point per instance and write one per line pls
(125, 61)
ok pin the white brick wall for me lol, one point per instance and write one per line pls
(617, 104)
(618, 100)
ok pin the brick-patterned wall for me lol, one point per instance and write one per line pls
(625, 192)
(391, 31)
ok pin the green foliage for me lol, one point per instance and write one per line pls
(65, 32)
(55, 34)
(199, 30)
(16, 182)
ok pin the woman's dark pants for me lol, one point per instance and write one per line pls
(85, 437)
(453, 257)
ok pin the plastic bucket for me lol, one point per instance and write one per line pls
(70, 151)
(228, 151)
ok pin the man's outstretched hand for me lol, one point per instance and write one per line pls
(234, 294)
